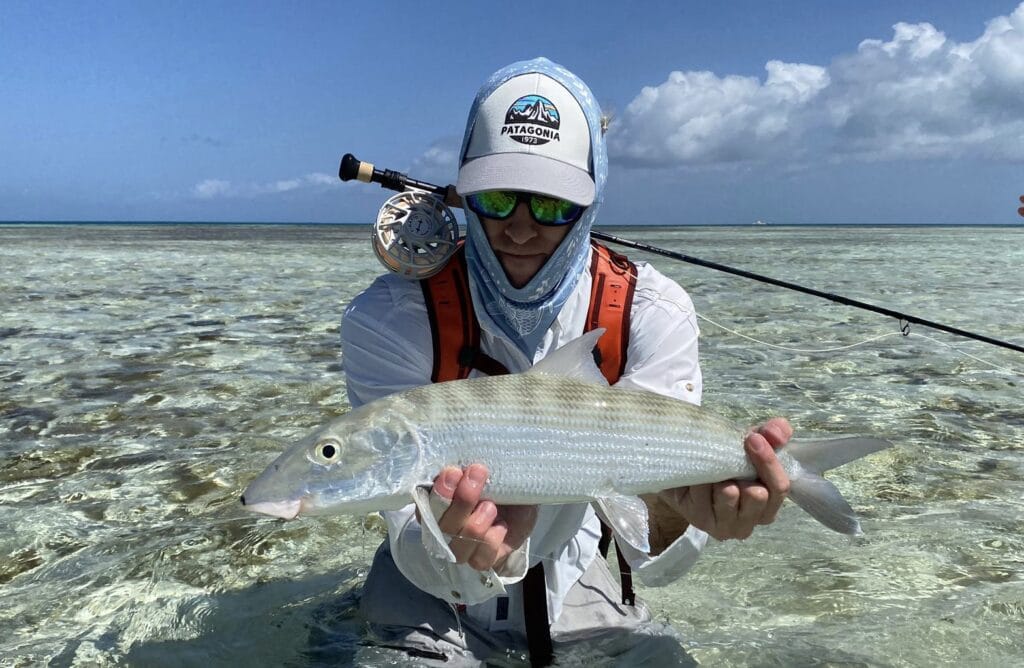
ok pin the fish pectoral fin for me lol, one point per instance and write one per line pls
(434, 541)
(574, 360)
(627, 516)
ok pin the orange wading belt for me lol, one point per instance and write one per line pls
(456, 338)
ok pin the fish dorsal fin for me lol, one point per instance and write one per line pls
(574, 360)
(627, 516)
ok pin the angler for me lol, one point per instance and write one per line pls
(530, 210)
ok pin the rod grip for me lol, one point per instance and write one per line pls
(354, 168)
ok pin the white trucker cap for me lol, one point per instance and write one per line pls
(530, 134)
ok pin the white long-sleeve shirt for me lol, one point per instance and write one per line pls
(387, 347)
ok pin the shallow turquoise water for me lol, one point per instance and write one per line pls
(149, 372)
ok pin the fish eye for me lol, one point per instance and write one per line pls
(328, 449)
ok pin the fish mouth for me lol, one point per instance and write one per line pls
(288, 509)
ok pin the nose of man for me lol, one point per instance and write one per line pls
(520, 227)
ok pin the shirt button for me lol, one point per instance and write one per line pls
(689, 387)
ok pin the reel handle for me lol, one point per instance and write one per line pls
(353, 168)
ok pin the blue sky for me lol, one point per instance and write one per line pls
(795, 112)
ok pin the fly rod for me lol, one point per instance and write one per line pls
(412, 254)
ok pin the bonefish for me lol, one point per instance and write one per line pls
(554, 434)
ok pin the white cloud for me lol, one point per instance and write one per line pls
(321, 179)
(439, 163)
(699, 117)
(212, 188)
(918, 95)
(284, 186)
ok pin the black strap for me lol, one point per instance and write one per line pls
(535, 616)
(625, 579)
(606, 540)
(473, 358)
(625, 572)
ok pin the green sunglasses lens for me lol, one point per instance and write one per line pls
(497, 204)
(554, 211)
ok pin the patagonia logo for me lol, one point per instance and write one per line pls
(532, 120)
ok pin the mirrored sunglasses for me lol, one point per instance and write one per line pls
(548, 211)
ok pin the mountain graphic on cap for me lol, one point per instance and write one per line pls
(533, 109)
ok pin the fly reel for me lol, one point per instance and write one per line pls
(415, 234)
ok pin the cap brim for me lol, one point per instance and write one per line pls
(526, 172)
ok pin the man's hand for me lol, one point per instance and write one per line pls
(731, 509)
(484, 533)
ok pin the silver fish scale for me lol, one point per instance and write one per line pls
(548, 439)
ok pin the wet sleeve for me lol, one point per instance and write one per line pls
(662, 358)
(387, 347)
(673, 563)
(455, 583)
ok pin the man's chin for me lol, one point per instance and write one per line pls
(519, 270)
(516, 282)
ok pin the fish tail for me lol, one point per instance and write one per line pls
(817, 496)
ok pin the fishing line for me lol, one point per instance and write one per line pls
(405, 246)
(964, 353)
(798, 350)
(905, 319)
(986, 362)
